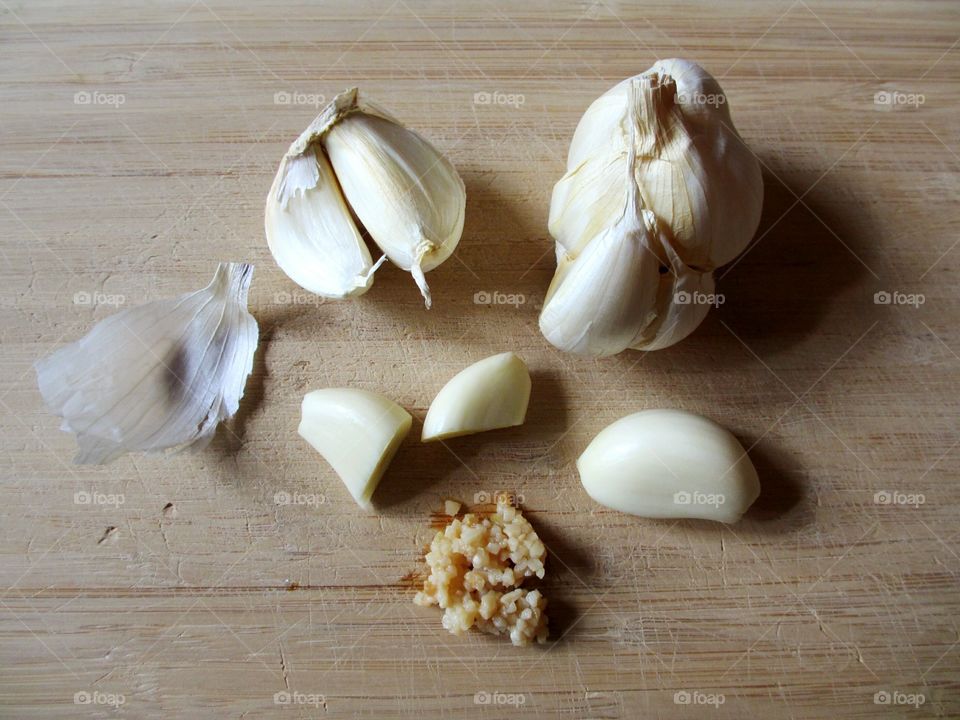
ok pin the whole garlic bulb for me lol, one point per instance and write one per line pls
(666, 137)
(355, 155)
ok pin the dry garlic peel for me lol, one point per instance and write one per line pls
(669, 133)
(478, 568)
(357, 431)
(155, 376)
(669, 464)
(492, 393)
(407, 195)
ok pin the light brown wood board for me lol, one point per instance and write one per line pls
(199, 596)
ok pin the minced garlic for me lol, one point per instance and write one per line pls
(477, 567)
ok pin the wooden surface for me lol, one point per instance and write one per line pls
(199, 596)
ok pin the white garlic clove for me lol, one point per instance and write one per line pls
(605, 296)
(490, 394)
(310, 231)
(669, 464)
(408, 196)
(681, 305)
(357, 431)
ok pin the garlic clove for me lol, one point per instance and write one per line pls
(604, 298)
(406, 194)
(669, 464)
(357, 432)
(310, 231)
(490, 394)
(156, 376)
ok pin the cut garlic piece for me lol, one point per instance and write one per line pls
(669, 464)
(490, 394)
(357, 431)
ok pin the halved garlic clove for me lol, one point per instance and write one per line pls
(357, 431)
(408, 196)
(669, 464)
(492, 393)
(310, 231)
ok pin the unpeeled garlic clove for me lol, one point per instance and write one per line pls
(669, 464)
(310, 232)
(357, 431)
(408, 196)
(492, 393)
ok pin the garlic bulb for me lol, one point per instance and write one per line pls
(669, 464)
(406, 194)
(657, 151)
(490, 394)
(357, 431)
(158, 375)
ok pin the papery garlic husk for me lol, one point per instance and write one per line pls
(492, 393)
(156, 376)
(357, 431)
(407, 195)
(669, 464)
(667, 132)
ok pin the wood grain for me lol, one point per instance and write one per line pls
(199, 596)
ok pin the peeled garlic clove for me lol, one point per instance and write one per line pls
(669, 464)
(155, 376)
(357, 431)
(408, 196)
(310, 231)
(492, 393)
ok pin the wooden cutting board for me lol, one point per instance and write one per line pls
(138, 143)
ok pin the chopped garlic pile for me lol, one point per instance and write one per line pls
(477, 567)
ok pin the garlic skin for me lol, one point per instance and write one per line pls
(355, 155)
(669, 464)
(490, 394)
(155, 376)
(407, 195)
(668, 132)
(357, 432)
